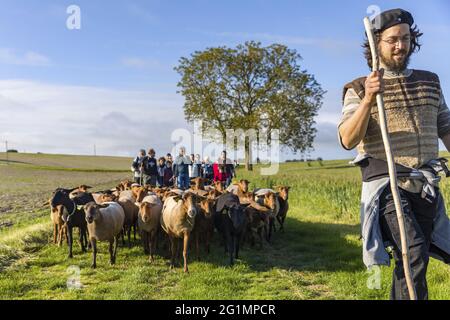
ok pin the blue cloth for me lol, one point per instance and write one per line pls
(183, 181)
(374, 252)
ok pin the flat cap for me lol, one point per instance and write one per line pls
(390, 18)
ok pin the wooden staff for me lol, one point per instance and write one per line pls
(391, 166)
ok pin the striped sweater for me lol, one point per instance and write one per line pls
(416, 115)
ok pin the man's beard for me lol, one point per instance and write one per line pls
(393, 65)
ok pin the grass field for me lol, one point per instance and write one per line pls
(318, 256)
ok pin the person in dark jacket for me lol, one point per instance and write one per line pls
(168, 174)
(150, 168)
(161, 171)
(137, 165)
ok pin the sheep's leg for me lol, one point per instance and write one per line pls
(197, 245)
(129, 236)
(226, 241)
(151, 243)
(134, 230)
(89, 244)
(70, 240)
(208, 238)
(231, 249)
(55, 232)
(86, 240)
(145, 241)
(273, 224)
(66, 233)
(185, 251)
(270, 228)
(111, 251)
(280, 222)
(94, 253)
(172, 251)
(237, 242)
(260, 238)
(61, 234)
(83, 239)
(116, 244)
(155, 239)
(177, 256)
(123, 236)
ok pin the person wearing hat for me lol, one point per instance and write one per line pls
(417, 116)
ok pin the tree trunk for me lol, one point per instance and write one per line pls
(248, 155)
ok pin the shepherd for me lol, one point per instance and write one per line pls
(416, 116)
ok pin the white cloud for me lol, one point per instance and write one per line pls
(30, 58)
(45, 117)
(70, 119)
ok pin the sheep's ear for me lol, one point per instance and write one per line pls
(46, 203)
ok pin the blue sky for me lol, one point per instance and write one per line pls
(112, 82)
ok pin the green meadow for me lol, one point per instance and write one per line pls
(317, 257)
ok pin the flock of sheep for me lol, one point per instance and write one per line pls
(159, 214)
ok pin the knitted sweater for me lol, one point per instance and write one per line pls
(416, 115)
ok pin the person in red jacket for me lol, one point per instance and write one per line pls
(224, 169)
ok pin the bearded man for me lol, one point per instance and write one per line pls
(417, 116)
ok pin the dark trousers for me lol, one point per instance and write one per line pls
(149, 179)
(418, 216)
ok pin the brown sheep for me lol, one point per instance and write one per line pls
(104, 223)
(269, 199)
(177, 220)
(59, 227)
(149, 222)
(204, 224)
(283, 199)
(127, 201)
(240, 188)
(258, 220)
(198, 183)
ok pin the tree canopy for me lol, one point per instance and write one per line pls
(251, 87)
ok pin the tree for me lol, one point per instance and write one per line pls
(251, 87)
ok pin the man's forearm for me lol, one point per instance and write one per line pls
(353, 130)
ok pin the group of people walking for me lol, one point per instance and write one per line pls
(166, 171)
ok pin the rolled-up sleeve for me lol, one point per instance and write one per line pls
(443, 118)
(351, 103)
